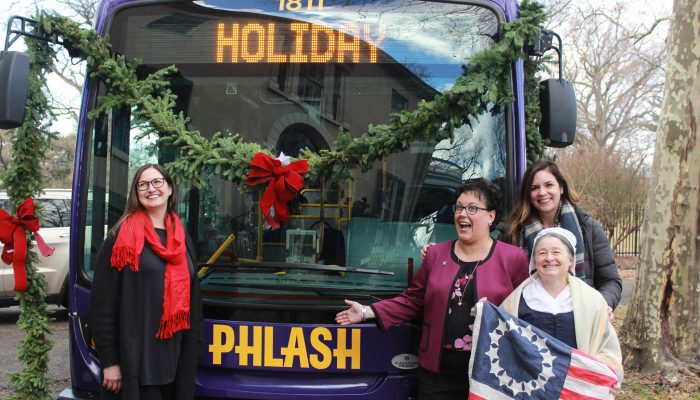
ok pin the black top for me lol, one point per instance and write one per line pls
(159, 356)
(561, 325)
(458, 322)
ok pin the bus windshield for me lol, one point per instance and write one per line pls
(290, 75)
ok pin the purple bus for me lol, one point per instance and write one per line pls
(294, 74)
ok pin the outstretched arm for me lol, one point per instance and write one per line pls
(355, 314)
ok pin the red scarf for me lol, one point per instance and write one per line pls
(138, 229)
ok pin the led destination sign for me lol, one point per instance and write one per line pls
(297, 42)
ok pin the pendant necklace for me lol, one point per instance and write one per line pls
(468, 277)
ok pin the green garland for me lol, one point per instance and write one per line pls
(536, 144)
(24, 179)
(483, 89)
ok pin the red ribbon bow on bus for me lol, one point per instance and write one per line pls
(285, 182)
(13, 236)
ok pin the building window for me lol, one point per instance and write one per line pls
(310, 86)
(338, 89)
(398, 102)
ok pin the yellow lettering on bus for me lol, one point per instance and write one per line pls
(330, 40)
(270, 360)
(259, 32)
(353, 45)
(296, 347)
(245, 348)
(222, 342)
(374, 43)
(222, 41)
(271, 36)
(318, 335)
(298, 56)
(342, 352)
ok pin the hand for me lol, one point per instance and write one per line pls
(424, 250)
(352, 315)
(112, 378)
(611, 316)
(472, 312)
(615, 389)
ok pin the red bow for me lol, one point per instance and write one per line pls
(284, 184)
(12, 234)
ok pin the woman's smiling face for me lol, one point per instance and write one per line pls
(545, 192)
(152, 198)
(552, 258)
(472, 227)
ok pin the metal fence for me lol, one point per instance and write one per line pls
(626, 236)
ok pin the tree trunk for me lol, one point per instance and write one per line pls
(661, 330)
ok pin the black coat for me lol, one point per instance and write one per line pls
(602, 274)
(114, 331)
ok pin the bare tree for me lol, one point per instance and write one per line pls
(71, 75)
(664, 316)
(616, 64)
(65, 87)
(610, 190)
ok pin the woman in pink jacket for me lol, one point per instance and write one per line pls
(452, 277)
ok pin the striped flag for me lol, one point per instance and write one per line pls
(512, 359)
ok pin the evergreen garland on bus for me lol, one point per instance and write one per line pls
(485, 87)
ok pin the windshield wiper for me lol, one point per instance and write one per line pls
(245, 266)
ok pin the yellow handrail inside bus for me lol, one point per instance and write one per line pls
(218, 253)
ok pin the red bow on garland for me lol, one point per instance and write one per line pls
(13, 236)
(285, 182)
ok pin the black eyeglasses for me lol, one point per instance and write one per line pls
(156, 183)
(471, 209)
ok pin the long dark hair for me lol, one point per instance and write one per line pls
(524, 209)
(133, 204)
(485, 190)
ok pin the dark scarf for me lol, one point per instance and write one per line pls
(566, 219)
(138, 229)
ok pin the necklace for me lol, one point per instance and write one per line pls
(461, 284)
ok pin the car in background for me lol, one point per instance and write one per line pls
(54, 228)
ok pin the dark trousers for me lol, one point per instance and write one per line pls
(451, 383)
(157, 392)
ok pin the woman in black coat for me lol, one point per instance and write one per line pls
(548, 200)
(145, 309)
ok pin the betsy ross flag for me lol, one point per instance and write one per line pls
(512, 359)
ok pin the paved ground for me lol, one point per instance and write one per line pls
(59, 368)
(627, 287)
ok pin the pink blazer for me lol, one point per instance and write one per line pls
(429, 293)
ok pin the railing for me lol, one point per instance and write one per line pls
(625, 239)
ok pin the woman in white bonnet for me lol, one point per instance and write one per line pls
(564, 306)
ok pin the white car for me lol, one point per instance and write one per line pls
(55, 229)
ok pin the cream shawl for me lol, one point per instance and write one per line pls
(594, 333)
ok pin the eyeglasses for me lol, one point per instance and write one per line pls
(156, 183)
(471, 209)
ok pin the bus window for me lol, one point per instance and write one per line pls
(235, 87)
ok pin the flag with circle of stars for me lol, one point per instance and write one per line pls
(512, 359)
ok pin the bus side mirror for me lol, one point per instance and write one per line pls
(558, 107)
(14, 86)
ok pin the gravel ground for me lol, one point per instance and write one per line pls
(59, 368)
